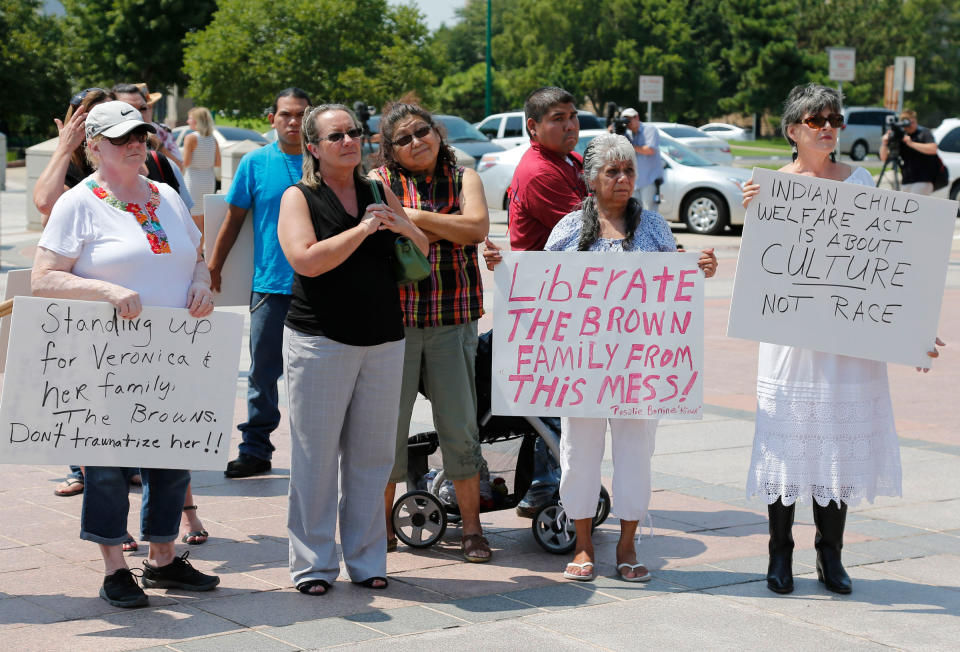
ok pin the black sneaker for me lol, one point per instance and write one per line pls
(245, 466)
(120, 589)
(178, 574)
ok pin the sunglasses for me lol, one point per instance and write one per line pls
(79, 97)
(140, 135)
(406, 139)
(337, 136)
(817, 121)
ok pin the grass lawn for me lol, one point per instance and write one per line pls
(760, 147)
(12, 155)
(259, 125)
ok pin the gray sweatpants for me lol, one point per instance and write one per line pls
(343, 424)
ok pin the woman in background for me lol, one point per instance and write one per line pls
(200, 155)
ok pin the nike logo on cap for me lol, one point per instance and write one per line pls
(127, 112)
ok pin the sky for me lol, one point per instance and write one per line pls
(437, 11)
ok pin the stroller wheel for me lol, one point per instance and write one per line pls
(603, 508)
(418, 519)
(553, 530)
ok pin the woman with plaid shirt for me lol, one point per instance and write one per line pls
(441, 311)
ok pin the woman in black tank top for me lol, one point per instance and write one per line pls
(343, 348)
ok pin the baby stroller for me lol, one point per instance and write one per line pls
(421, 515)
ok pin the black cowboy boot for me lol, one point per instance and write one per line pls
(780, 570)
(830, 521)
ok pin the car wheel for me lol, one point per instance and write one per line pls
(705, 212)
(859, 151)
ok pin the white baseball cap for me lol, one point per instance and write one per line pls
(114, 119)
(629, 113)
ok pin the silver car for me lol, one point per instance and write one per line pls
(703, 195)
(863, 128)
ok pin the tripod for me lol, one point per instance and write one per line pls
(895, 163)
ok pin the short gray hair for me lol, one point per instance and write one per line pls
(604, 150)
(808, 100)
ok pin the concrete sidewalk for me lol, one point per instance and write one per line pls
(708, 552)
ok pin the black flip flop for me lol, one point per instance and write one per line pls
(304, 587)
(368, 583)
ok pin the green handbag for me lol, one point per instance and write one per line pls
(409, 263)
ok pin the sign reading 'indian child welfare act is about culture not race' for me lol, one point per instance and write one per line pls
(842, 268)
(598, 334)
(85, 386)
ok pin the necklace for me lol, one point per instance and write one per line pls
(286, 163)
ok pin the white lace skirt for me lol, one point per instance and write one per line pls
(824, 429)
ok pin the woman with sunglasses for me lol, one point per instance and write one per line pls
(120, 238)
(824, 428)
(441, 311)
(343, 353)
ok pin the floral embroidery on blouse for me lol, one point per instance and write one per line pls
(146, 216)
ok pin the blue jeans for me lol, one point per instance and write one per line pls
(106, 503)
(267, 314)
(546, 471)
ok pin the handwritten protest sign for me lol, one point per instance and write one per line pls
(842, 268)
(598, 334)
(84, 386)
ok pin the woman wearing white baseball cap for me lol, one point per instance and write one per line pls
(118, 237)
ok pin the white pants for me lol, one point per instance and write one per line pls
(918, 188)
(581, 455)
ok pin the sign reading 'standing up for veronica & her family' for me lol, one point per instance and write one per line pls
(84, 386)
(842, 268)
(598, 334)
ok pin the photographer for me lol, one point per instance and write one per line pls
(917, 151)
(646, 143)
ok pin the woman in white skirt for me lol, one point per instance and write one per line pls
(824, 426)
(200, 156)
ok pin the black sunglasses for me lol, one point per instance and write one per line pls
(139, 134)
(406, 139)
(817, 121)
(337, 136)
(79, 97)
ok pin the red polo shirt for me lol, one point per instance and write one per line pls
(545, 187)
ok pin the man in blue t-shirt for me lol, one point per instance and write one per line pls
(258, 185)
(646, 143)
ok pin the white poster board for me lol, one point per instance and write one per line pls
(842, 268)
(598, 334)
(84, 386)
(651, 88)
(843, 63)
(236, 278)
(18, 285)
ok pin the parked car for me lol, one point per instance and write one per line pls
(460, 134)
(727, 131)
(510, 129)
(947, 136)
(709, 147)
(703, 195)
(862, 130)
(224, 135)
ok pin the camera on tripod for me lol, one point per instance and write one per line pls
(895, 127)
(620, 126)
(363, 115)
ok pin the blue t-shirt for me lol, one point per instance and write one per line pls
(649, 166)
(260, 181)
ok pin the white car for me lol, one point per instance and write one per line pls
(224, 135)
(947, 136)
(727, 131)
(709, 147)
(703, 195)
(510, 129)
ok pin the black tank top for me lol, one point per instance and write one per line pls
(357, 302)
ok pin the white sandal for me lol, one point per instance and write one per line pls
(633, 567)
(580, 578)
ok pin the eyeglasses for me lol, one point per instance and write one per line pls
(79, 97)
(406, 139)
(337, 136)
(140, 135)
(817, 121)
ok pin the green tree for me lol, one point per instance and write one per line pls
(132, 40)
(32, 76)
(337, 50)
(464, 93)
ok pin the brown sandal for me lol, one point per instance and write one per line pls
(473, 544)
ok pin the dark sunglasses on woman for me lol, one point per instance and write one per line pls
(406, 139)
(78, 98)
(140, 135)
(337, 136)
(817, 121)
